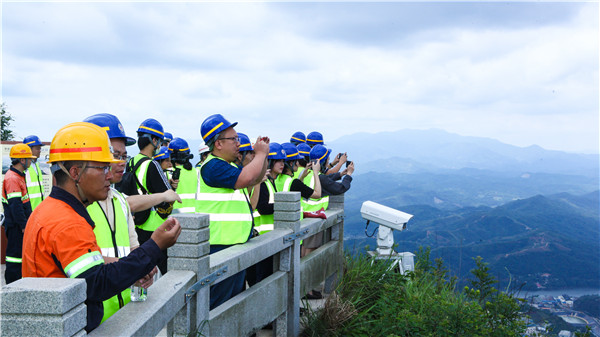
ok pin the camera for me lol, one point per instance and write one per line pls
(348, 163)
(176, 174)
(385, 216)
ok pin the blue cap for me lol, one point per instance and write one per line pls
(179, 145)
(153, 127)
(112, 125)
(298, 138)
(168, 136)
(32, 141)
(245, 144)
(276, 151)
(303, 149)
(320, 153)
(163, 153)
(291, 152)
(213, 125)
(314, 138)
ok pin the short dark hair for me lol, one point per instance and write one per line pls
(144, 139)
(60, 176)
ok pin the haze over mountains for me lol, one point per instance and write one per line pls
(433, 150)
(529, 212)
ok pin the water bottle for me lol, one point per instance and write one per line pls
(138, 294)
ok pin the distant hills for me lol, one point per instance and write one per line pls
(409, 151)
(549, 242)
(531, 213)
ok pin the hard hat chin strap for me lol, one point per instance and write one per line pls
(82, 195)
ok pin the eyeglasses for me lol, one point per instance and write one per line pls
(120, 157)
(235, 139)
(105, 169)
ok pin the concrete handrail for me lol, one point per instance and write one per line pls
(278, 295)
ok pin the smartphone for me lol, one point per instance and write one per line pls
(348, 163)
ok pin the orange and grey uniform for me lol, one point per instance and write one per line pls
(17, 210)
(59, 241)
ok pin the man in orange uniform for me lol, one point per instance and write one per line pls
(17, 207)
(59, 238)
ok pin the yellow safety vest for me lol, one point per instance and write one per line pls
(34, 180)
(228, 209)
(112, 243)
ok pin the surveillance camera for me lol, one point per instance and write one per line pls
(384, 215)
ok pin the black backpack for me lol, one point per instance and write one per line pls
(130, 183)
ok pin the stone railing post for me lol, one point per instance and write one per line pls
(287, 215)
(191, 252)
(336, 202)
(44, 307)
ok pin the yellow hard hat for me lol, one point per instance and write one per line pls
(21, 151)
(81, 141)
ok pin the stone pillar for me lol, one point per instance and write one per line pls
(191, 252)
(44, 307)
(336, 202)
(287, 215)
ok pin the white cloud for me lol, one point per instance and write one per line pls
(255, 63)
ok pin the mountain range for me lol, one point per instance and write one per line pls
(529, 212)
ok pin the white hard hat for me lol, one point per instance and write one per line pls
(203, 149)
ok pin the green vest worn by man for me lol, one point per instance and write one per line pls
(35, 188)
(186, 188)
(229, 211)
(310, 204)
(154, 220)
(112, 243)
(266, 222)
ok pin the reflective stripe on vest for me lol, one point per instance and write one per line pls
(186, 188)
(266, 221)
(228, 209)
(283, 182)
(35, 189)
(13, 259)
(311, 205)
(107, 246)
(83, 263)
(154, 220)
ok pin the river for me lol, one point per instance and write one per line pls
(577, 292)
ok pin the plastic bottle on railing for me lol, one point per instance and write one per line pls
(138, 294)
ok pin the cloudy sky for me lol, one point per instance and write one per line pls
(522, 73)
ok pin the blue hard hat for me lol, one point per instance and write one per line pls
(298, 137)
(213, 125)
(291, 152)
(153, 127)
(163, 153)
(168, 136)
(276, 151)
(179, 145)
(112, 125)
(32, 141)
(314, 138)
(303, 149)
(320, 153)
(245, 144)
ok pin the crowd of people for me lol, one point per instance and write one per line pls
(107, 217)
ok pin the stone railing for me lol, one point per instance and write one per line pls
(180, 299)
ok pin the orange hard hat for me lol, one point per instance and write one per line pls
(81, 141)
(21, 151)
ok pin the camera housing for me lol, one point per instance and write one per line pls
(385, 216)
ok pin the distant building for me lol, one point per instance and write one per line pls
(565, 333)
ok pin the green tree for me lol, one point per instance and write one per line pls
(5, 119)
